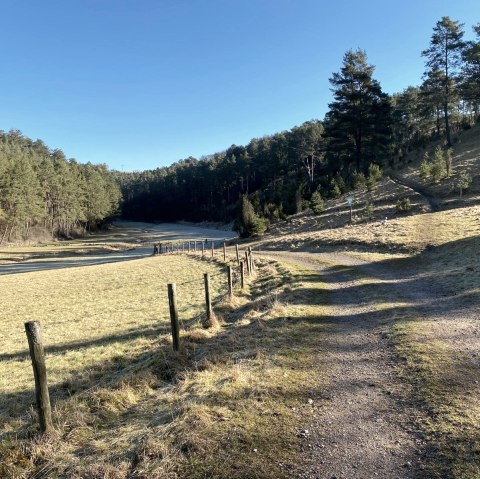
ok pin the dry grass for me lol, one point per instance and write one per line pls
(93, 318)
(407, 235)
(126, 406)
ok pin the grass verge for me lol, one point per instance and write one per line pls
(446, 387)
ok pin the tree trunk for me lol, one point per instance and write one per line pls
(447, 125)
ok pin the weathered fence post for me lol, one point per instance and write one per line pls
(172, 301)
(203, 249)
(242, 274)
(213, 246)
(248, 262)
(37, 354)
(238, 257)
(183, 246)
(208, 301)
(224, 251)
(160, 248)
(230, 282)
(189, 248)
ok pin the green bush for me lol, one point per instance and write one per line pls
(368, 211)
(374, 172)
(464, 181)
(404, 205)
(341, 183)
(425, 167)
(316, 203)
(248, 223)
(359, 181)
(335, 191)
(438, 170)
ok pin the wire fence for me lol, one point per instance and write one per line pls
(226, 281)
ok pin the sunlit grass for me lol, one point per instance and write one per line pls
(229, 405)
(94, 315)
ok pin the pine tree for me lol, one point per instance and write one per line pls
(444, 55)
(358, 125)
(425, 167)
(471, 72)
(248, 223)
(438, 170)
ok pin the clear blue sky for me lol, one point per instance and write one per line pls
(143, 83)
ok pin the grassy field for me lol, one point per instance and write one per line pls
(92, 317)
(229, 404)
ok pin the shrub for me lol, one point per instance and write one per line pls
(404, 205)
(359, 181)
(335, 191)
(425, 167)
(464, 181)
(316, 203)
(374, 172)
(368, 210)
(341, 183)
(248, 222)
(438, 170)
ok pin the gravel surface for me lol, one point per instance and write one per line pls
(362, 427)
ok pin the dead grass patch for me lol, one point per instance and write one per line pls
(227, 405)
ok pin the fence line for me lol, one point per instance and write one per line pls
(233, 277)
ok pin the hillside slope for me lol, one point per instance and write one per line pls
(387, 228)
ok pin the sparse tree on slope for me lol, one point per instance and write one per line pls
(471, 72)
(445, 55)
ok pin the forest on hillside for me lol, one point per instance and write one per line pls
(363, 131)
(42, 193)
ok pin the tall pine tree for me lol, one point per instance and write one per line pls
(445, 56)
(358, 125)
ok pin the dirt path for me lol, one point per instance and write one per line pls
(363, 425)
(433, 201)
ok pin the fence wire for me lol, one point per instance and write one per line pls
(198, 284)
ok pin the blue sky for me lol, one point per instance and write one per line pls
(141, 83)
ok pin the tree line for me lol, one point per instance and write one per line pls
(41, 189)
(364, 128)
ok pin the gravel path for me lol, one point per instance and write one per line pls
(363, 426)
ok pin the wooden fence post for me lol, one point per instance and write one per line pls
(238, 256)
(172, 301)
(250, 265)
(212, 248)
(230, 282)
(195, 250)
(248, 262)
(37, 354)
(208, 301)
(203, 249)
(224, 251)
(242, 274)
(189, 246)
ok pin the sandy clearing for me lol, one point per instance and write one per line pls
(144, 234)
